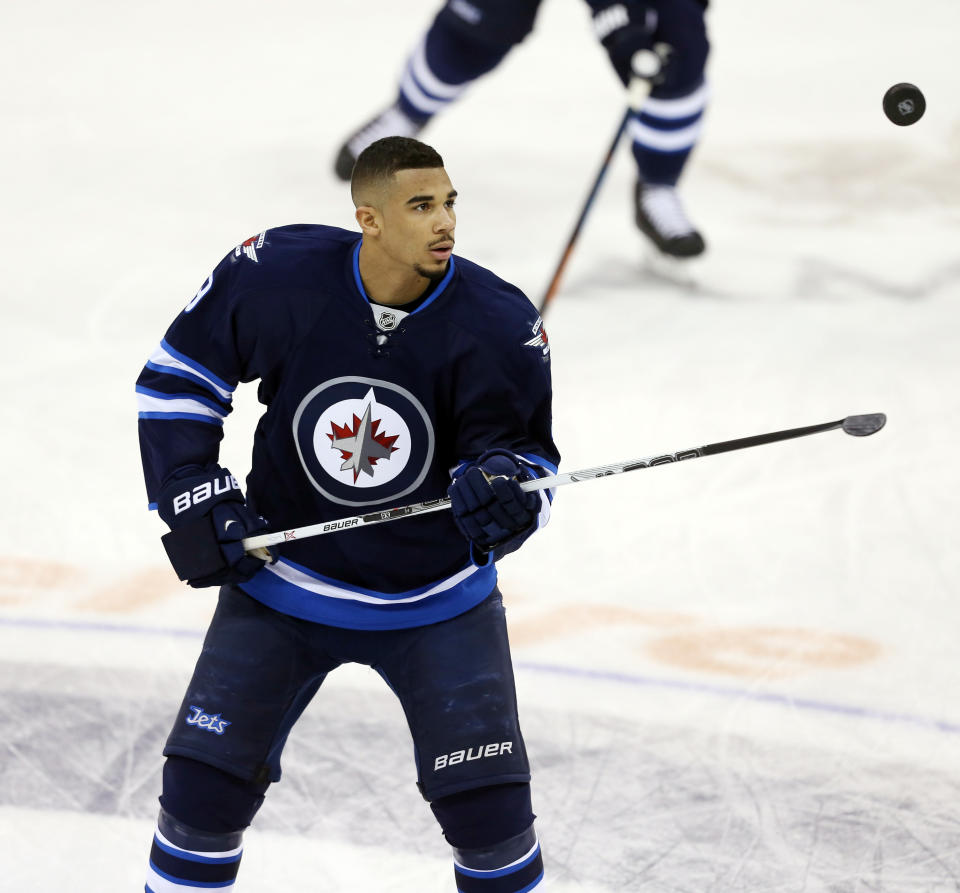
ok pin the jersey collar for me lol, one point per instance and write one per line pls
(441, 287)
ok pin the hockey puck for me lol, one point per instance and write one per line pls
(904, 104)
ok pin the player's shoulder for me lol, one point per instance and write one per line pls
(489, 299)
(497, 316)
(282, 260)
(282, 244)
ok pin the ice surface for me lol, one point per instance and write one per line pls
(735, 674)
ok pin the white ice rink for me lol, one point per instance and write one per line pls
(738, 674)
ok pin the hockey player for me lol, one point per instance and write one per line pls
(392, 371)
(469, 38)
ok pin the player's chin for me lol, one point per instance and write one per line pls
(435, 269)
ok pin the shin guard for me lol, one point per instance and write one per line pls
(512, 866)
(184, 859)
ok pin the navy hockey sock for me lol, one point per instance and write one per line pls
(664, 132)
(184, 859)
(513, 866)
(442, 66)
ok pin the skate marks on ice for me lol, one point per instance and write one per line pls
(623, 804)
(839, 182)
(823, 279)
(789, 279)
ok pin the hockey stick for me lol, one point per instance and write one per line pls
(857, 425)
(648, 63)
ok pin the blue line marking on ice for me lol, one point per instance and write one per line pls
(729, 691)
(723, 691)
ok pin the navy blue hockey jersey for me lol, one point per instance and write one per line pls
(367, 408)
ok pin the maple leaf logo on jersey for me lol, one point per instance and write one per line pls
(539, 339)
(250, 247)
(360, 444)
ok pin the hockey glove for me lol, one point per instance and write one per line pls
(490, 509)
(624, 29)
(208, 518)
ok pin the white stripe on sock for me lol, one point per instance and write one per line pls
(428, 80)
(224, 854)
(665, 140)
(412, 92)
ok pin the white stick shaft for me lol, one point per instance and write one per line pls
(860, 426)
(437, 505)
(637, 92)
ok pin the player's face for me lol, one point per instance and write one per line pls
(419, 220)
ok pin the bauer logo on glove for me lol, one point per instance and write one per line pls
(209, 519)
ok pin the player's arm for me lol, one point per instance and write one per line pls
(184, 394)
(504, 438)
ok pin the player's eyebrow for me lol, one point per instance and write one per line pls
(418, 199)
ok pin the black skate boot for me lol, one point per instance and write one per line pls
(661, 218)
(390, 122)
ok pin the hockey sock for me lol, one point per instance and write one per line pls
(184, 859)
(513, 866)
(664, 131)
(441, 67)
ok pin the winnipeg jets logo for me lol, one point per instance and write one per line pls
(539, 339)
(363, 441)
(361, 444)
(250, 247)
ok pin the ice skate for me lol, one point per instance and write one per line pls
(390, 122)
(661, 218)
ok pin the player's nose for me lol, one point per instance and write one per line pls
(445, 221)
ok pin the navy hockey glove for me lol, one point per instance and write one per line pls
(624, 29)
(490, 509)
(208, 518)
(674, 29)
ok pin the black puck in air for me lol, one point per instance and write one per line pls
(904, 104)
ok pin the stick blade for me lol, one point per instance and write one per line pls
(864, 425)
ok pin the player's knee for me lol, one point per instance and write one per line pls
(495, 846)
(484, 816)
(208, 799)
(682, 26)
(491, 26)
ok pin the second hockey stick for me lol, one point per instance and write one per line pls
(856, 425)
(647, 62)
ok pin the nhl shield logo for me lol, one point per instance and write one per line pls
(387, 320)
(362, 441)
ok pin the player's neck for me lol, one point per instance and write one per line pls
(388, 283)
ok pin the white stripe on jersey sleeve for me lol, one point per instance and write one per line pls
(165, 360)
(175, 405)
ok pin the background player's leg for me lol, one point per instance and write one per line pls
(464, 42)
(664, 132)
(666, 128)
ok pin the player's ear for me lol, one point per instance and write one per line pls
(368, 219)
